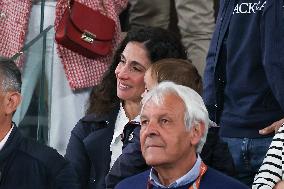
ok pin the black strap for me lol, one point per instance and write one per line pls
(29, 44)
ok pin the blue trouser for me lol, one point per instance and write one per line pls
(248, 155)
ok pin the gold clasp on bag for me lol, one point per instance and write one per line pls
(88, 37)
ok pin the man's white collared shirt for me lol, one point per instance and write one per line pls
(189, 177)
(2, 143)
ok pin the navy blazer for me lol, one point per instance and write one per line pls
(89, 148)
(27, 164)
(211, 179)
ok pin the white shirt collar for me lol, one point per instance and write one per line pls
(121, 121)
(2, 142)
(116, 143)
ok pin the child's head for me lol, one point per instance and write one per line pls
(180, 71)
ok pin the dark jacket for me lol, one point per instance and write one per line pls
(210, 180)
(27, 164)
(243, 79)
(89, 148)
(215, 153)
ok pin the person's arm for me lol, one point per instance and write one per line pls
(196, 23)
(272, 128)
(209, 85)
(279, 185)
(77, 155)
(129, 163)
(271, 171)
(67, 178)
(273, 55)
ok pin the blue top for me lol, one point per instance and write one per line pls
(189, 177)
(244, 75)
(88, 149)
(211, 179)
(26, 164)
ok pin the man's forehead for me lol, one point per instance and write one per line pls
(166, 99)
(156, 109)
(171, 103)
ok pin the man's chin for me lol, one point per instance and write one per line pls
(154, 162)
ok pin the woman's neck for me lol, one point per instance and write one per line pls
(132, 109)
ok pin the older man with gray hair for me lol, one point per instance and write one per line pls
(25, 163)
(174, 125)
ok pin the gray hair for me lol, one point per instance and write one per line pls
(10, 75)
(195, 110)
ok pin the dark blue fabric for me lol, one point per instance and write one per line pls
(89, 148)
(212, 179)
(248, 155)
(252, 33)
(26, 164)
(131, 162)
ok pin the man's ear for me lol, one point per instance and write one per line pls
(197, 132)
(12, 101)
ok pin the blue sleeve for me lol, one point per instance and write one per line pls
(209, 93)
(77, 155)
(67, 178)
(272, 28)
(129, 163)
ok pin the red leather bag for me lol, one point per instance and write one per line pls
(85, 31)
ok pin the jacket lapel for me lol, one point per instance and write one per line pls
(97, 144)
(12, 143)
(8, 153)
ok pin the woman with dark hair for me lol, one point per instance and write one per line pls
(113, 113)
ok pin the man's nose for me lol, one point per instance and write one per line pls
(152, 128)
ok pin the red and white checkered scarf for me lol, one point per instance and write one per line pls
(14, 17)
(82, 72)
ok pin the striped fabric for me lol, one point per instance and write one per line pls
(82, 72)
(14, 17)
(271, 170)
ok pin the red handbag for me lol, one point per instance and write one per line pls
(85, 31)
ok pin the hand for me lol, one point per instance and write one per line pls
(272, 128)
(279, 185)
